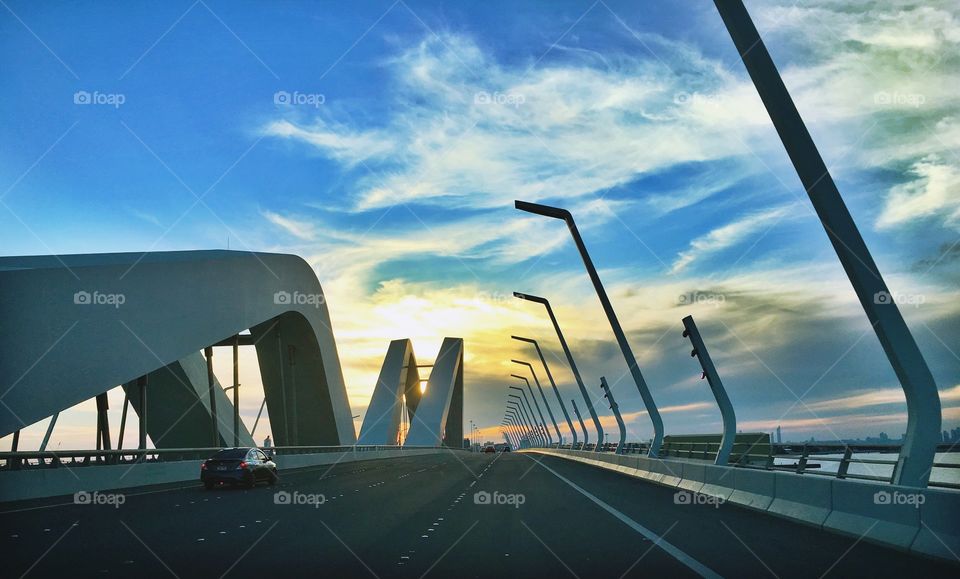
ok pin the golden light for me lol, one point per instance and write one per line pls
(423, 386)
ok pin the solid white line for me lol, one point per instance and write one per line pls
(694, 565)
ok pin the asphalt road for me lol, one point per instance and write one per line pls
(410, 517)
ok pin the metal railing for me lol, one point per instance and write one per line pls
(746, 455)
(817, 451)
(86, 458)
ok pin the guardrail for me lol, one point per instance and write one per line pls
(86, 458)
(804, 454)
(848, 458)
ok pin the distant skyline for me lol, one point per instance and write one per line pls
(385, 142)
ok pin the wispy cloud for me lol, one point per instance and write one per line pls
(301, 229)
(729, 235)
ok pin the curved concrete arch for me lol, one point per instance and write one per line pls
(399, 377)
(75, 326)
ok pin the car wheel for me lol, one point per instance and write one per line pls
(274, 478)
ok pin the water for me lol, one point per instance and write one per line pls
(939, 474)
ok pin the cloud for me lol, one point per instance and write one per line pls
(934, 193)
(469, 132)
(298, 228)
(729, 235)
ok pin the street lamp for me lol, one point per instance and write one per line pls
(526, 417)
(628, 356)
(553, 384)
(573, 365)
(537, 405)
(541, 430)
(542, 397)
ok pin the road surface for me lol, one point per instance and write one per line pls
(409, 517)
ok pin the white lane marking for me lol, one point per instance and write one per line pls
(694, 565)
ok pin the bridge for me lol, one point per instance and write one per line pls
(410, 496)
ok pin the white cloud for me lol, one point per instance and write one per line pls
(298, 228)
(468, 132)
(934, 192)
(729, 235)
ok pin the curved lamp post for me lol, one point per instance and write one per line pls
(542, 397)
(573, 365)
(582, 425)
(517, 429)
(628, 356)
(528, 425)
(537, 405)
(541, 428)
(528, 411)
(923, 400)
(556, 391)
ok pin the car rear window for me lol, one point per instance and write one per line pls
(231, 453)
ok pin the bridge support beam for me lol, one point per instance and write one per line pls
(399, 377)
(615, 408)
(438, 419)
(582, 425)
(923, 400)
(716, 386)
(179, 414)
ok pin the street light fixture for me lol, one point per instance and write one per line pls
(542, 396)
(573, 365)
(537, 405)
(563, 214)
(540, 428)
(553, 384)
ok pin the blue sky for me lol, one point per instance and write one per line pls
(416, 124)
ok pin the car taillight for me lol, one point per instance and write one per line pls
(203, 466)
(243, 464)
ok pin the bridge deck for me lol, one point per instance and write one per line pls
(410, 516)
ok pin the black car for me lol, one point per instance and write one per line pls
(238, 466)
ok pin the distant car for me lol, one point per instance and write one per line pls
(489, 449)
(238, 466)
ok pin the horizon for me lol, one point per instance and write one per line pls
(385, 143)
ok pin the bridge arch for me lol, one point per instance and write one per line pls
(77, 325)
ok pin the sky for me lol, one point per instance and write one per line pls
(385, 142)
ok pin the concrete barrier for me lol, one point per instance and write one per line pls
(753, 489)
(669, 471)
(717, 481)
(693, 475)
(804, 498)
(926, 521)
(880, 513)
(939, 533)
(36, 483)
